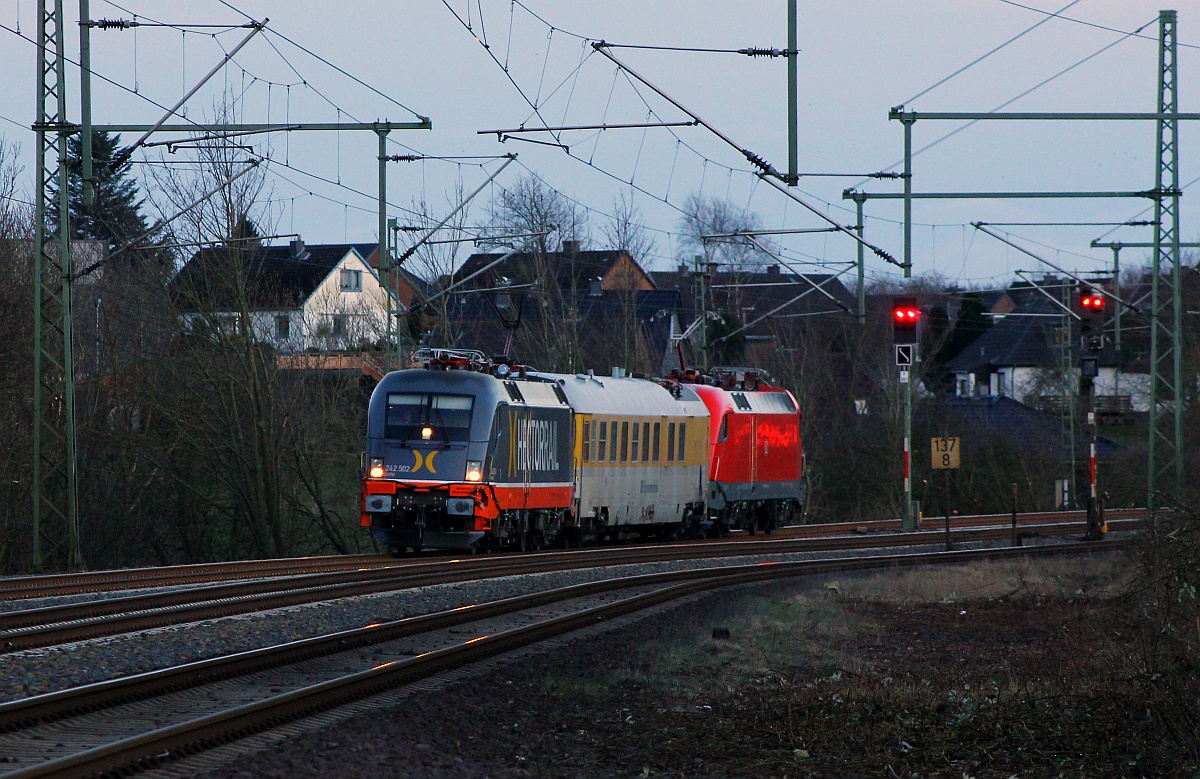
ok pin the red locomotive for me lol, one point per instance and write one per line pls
(756, 462)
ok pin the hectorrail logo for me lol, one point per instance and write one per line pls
(424, 459)
(536, 443)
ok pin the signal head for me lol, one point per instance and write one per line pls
(906, 315)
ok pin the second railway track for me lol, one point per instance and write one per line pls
(141, 721)
(46, 626)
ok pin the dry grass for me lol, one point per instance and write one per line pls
(991, 670)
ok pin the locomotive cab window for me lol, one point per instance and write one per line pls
(724, 432)
(446, 417)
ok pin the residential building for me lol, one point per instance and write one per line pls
(298, 298)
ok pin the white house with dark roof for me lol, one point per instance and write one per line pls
(1021, 357)
(299, 298)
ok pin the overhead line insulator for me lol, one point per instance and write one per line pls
(760, 52)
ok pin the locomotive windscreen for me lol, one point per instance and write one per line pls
(448, 416)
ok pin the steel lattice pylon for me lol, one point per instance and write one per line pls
(1165, 446)
(55, 501)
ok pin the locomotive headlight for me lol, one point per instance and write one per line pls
(426, 433)
(376, 471)
(503, 370)
(474, 470)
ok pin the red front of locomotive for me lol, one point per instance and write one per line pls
(756, 473)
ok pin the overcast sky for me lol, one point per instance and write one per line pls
(857, 59)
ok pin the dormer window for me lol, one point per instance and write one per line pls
(351, 280)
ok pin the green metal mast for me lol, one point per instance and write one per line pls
(1165, 446)
(55, 500)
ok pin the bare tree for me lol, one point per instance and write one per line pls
(531, 206)
(627, 231)
(714, 216)
(16, 354)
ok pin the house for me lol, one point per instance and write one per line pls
(600, 302)
(298, 298)
(747, 295)
(1031, 355)
(571, 271)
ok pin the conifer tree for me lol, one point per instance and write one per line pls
(114, 217)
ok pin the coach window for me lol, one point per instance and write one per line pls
(671, 442)
(601, 450)
(645, 442)
(683, 440)
(656, 431)
(587, 442)
(612, 446)
(595, 431)
(633, 456)
(624, 442)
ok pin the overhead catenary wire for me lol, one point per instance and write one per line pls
(982, 57)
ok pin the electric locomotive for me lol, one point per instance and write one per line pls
(473, 454)
(756, 471)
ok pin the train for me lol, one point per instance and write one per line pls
(474, 454)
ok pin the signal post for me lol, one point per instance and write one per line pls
(906, 317)
(1091, 319)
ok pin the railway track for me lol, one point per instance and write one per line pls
(142, 721)
(50, 625)
(52, 585)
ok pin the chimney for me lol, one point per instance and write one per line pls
(296, 248)
(570, 247)
(683, 269)
(772, 270)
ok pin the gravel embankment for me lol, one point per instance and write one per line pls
(38, 671)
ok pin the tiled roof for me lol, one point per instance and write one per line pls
(274, 276)
(754, 293)
(1026, 338)
(999, 415)
(573, 269)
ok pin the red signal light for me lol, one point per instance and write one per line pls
(906, 315)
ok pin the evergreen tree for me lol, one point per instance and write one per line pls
(115, 216)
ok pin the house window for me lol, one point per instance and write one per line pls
(351, 280)
(339, 324)
(283, 327)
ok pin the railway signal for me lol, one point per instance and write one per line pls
(1091, 318)
(906, 316)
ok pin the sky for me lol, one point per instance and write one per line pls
(482, 65)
